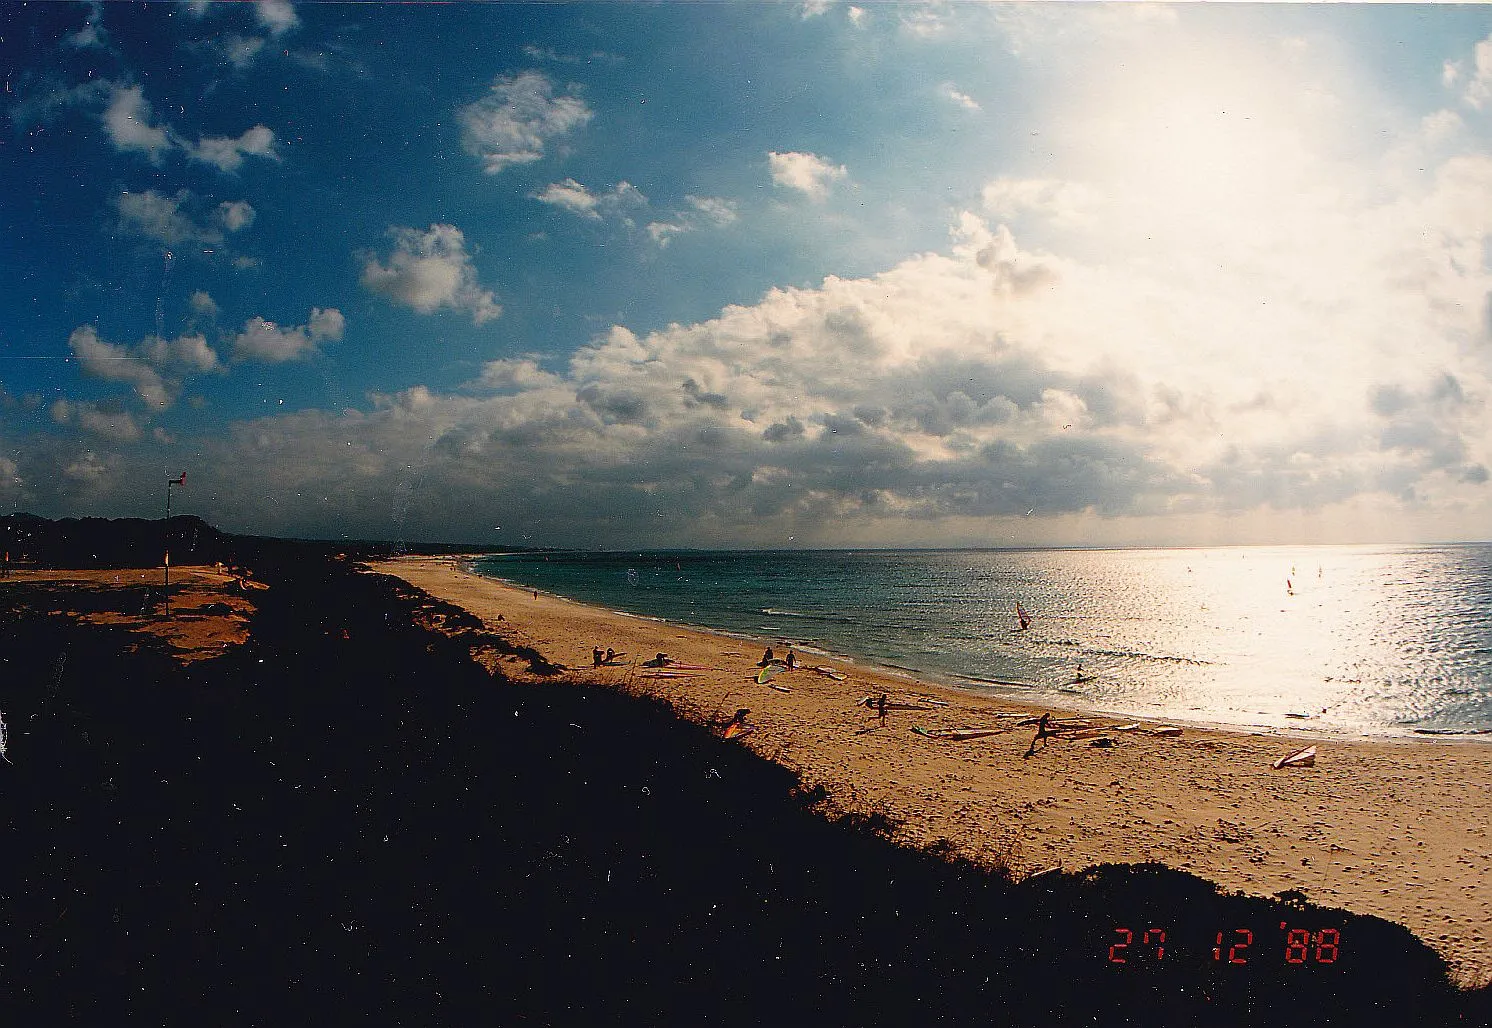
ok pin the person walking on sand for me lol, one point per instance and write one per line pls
(792, 658)
(1043, 732)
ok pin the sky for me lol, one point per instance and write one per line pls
(776, 275)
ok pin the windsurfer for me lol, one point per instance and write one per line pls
(1043, 733)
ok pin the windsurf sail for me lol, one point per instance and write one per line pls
(1300, 758)
(1023, 615)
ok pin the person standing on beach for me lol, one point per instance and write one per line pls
(1043, 732)
(767, 658)
(597, 656)
(792, 658)
(881, 707)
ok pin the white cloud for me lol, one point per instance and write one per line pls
(278, 16)
(808, 173)
(227, 153)
(518, 118)
(1061, 201)
(265, 341)
(952, 93)
(114, 424)
(235, 215)
(856, 15)
(702, 212)
(429, 271)
(203, 303)
(159, 217)
(1479, 81)
(813, 8)
(571, 196)
(143, 367)
(170, 220)
(241, 51)
(92, 34)
(127, 121)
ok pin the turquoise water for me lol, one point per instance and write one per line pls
(1364, 640)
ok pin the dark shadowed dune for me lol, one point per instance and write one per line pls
(371, 829)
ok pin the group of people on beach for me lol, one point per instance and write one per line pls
(789, 661)
(608, 657)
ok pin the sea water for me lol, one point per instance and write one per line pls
(1361, 640)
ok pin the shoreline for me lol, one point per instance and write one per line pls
(1376, 827)
(1021, 693)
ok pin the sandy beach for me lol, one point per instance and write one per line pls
(1394, 829)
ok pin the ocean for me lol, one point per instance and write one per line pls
(1359, 640)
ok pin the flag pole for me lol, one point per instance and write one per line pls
(179, 480)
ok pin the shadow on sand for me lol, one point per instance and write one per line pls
(370, 829)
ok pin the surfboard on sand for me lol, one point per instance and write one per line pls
(870, 701)
(779, 688)
(1165, 730)
(1300, 758)
(830, 673)
(957, 734)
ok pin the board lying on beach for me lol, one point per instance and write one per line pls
(831, 673)
(768, 673)
(957, 734)
(1300, 758)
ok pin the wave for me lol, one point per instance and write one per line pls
(774, 612)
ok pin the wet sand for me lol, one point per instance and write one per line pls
(1394, 829)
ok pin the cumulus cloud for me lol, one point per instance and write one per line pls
(808, 173)
(1059, 200)
(265, 341)
(1475, 81)
(107, 421)
(277, 16)
(951, 392)
(235, 214)
(701, 212)
(227, 153)
(173, 220)
(953, 94)
(128, 122)
(517, 119)
(571, 196)
(428, 271)
(92, 34)
(153, 368)
(160, 217)
(203, 303)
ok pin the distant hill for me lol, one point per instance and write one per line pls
(138, 542)
(110, 542)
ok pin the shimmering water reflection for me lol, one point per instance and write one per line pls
(1372, 640)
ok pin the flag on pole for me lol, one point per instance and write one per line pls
(179, 481)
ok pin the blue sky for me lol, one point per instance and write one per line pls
(751, 275)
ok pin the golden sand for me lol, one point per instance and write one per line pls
(1395, 829)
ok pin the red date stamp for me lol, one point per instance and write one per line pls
(1301, 946)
